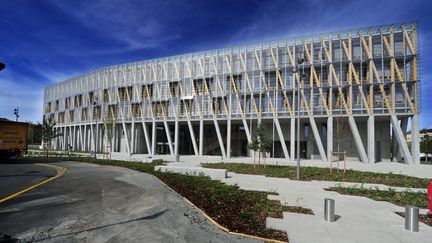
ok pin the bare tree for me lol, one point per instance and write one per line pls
(340, 131)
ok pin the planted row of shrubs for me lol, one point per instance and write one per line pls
(323, 174)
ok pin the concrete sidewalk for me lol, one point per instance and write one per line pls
(422, 171)
(360, 219)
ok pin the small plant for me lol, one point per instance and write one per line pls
(298, 201)
(260, 143)
(48, 134)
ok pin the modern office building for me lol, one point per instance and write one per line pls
(359, 89)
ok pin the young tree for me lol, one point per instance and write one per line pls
(266, 147)
(340, 132)
(254, 147)
(109, 124)
(48, 134)
(259, 142)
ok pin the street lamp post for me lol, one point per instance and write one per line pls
(300, 60)
(16, 113)
(95, 103)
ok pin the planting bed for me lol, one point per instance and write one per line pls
(323, 174)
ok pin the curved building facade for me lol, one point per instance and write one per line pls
(357, 90)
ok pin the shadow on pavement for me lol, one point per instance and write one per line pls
(152, 216)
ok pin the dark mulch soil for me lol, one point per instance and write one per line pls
(298, 209)
(426, 219)
(236, 209)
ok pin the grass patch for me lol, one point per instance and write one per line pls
(236, 209)
(323, 174)
(404, 198)
(426, 219)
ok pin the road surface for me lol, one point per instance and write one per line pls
(93, 203)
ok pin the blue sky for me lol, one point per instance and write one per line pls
(43, 42)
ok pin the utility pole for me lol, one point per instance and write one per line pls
(95, 103)
(300, 60)
(16, 113)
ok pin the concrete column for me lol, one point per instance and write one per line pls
(329, 138)
(85, 138)
(404, 126)
(153, 152)
(201, 137)
(401, 140)
(292, 139)
(357, 139)
(176, 137)
(228, 152)
(65, 138)
(415, 139)
(132, 147)
(114, 138)
(371, 139)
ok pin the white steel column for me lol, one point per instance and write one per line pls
(218, 133)
(357, 139)
(153, 150)
(132, 138)
(85, 138)
(146, 137)
(415, 139)
(168, 134)
(65, 137)
(318, 139)
(228, 151)
(329, 138)
(404, 126)
(371, 138)
(192, 134)
(281, 138)
(176, 137)
(201, 137)
(401, 140)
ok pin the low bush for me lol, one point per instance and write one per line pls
(403, 198)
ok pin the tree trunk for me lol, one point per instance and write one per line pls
(253, 159)
(259, 157)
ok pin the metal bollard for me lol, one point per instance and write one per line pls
(329, 210)
(177, 158)
(412, 218)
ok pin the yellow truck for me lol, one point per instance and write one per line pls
(13, 138)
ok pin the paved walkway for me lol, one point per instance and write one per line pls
(360, 219)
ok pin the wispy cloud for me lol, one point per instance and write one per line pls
(48, 41)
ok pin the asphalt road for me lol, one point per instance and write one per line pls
(15, 177)
(92, 203)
